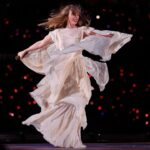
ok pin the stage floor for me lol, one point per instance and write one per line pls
(90, 146)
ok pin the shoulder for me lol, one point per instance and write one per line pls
(53, 31)
(85, 27)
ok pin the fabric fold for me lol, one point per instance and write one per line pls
(65, 89)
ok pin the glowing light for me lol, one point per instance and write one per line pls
(133, 109)
(146, 122)
(97, 16)
(134, 85)
(101, 97)
(24, 36)
(15, 90)
(1, 90)
(11, 97)
(9, 67)
(29, 103)
(11, 114)
(146, 115)
(131, 74)
(121, 74)
(1, 97)
(137, 111)
(91, 103)
(25, 77)
(34, 102)
(99, 107)
(18, 107)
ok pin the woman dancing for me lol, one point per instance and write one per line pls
(65, 90)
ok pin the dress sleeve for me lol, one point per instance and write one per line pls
(86, 29)
(53, 35)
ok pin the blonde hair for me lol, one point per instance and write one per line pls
(60, 18)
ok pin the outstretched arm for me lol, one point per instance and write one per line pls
(37, 45)
(98, 35)
(78, 47)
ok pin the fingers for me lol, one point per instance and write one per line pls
(20, 55)
(17, 57)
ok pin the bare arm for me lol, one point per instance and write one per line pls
(37, 45)
(98, 35)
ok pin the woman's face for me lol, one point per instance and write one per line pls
(73, 19)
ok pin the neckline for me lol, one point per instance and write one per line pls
(71, 28)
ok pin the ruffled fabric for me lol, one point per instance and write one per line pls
(65, 90)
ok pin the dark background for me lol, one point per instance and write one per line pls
(121, 112)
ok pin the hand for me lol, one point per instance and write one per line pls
(21, 54)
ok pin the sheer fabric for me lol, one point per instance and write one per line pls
(65, 90)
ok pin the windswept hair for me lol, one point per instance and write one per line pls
(59, 19)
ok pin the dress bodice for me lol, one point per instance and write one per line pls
(64, 37)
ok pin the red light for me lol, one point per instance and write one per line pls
(11, 97)
(101, 97)
(34, 102)
(15, 90)
(99, 108)
(18, 107)
(137, 111)
(1, 90)
(133, 109)
(29, 103)
(146, 122)
(146, 115)
(134, 85)
(121, 70)
(1, 97)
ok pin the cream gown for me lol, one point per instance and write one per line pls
(65, 90)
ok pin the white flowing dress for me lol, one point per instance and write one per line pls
(65, 89)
